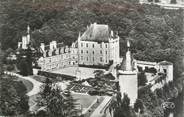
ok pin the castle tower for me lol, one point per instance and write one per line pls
(128, 81)
(128, 63)
(26, 39)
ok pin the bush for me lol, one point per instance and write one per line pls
(10, 67)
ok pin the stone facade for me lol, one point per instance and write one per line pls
(56, 56)
(163, 1)
(167, 4)
(161, 67)
(128, 79)
(98, 45)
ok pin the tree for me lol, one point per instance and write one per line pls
(25, 61)
(56, 102)
(13, 101)
(138, 106)
(151, 102)
(1, 61)
(120, 107)
(71, 110)
(173, 1)
(23, 67)
(98, 73)
(142, 80)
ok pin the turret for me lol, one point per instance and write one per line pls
(128, 63)
(28, 34)
(128, 81)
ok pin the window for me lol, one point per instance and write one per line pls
(165, 71)
(81, 44)
(86, 51)
(81, 57)
(93, 59)
(81, 51)
(93, 52)
(106, 45)
(93, 45)
(106, 52)
(101, 59)
(87, 58)
(100, 51)
(101, 45)
(86, 44)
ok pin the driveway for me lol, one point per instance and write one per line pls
(36, 84)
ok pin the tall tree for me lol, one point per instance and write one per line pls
(142, 80)
(12, 100)
(56, 102)
(121, 107)
(138, 106)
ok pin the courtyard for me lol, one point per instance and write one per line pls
(79, 72)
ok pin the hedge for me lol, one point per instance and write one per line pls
(55, 75)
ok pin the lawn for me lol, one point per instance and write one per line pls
(82, 72)
(27, 83)
(84, 100)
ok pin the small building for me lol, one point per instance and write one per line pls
(98, 45)
(166, 68)
(145, 65)
(160, 67)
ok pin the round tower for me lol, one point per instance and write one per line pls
(128, 80)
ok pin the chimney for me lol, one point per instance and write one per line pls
(112, 33)
(19, 44)
(51, 45)
(54, 44)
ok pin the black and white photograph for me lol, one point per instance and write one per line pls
(91, 58)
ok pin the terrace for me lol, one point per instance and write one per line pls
(79, 72)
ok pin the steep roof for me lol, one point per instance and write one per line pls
(165, 63)
(96, 32)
